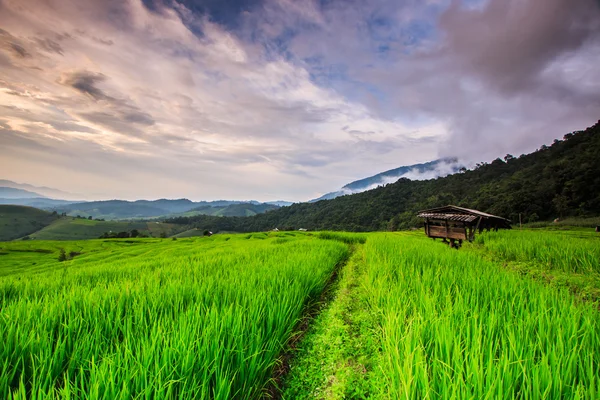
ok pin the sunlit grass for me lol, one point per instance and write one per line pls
(552, 250)
(194, 318)
(456, 326)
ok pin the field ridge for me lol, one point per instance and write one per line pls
(311, 313)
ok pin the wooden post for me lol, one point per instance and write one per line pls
(478, 222)
(520, 226)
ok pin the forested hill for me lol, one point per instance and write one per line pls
(555, 181)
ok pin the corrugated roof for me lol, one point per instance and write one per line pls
(450, 209)
(450, 217)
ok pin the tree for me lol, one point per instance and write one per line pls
(393, 224)
(135, 233)
(62, 256)
(561, 204)
(90, 217)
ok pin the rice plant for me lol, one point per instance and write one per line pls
(191, 319)
(453, 325)
(552, 250)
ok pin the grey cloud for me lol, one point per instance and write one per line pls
(138, 117)
(511, 42)
(120, 115)
(12, 45)
(85, 82)
(113, 121)
(106, 42)
(49, 45)
(71, 126)
(19, 50)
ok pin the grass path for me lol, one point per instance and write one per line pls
(337, 356)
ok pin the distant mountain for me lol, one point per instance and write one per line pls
(416, 172)
(121, 209)
(41, 191)
(14, 193)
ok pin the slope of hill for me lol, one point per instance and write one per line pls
(121, 209)
(68, 228)
(555, 181)
(19, 221)
(430, 170)
(235, 210)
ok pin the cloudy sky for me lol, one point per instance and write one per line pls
(282, 99)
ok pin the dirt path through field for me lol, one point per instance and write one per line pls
(335, 357)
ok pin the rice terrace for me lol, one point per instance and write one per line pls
(514, 315)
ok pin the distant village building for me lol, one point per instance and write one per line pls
(454, 224)
(302, 229)
(275, 230)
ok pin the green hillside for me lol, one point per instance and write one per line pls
(145, 209)
(556, 181)
(19, 221)
(69, 228)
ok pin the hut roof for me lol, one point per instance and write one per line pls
(455, 213)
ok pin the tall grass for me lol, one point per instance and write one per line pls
(549, 249)
(201, 319)
(344, 237)
(456, 326)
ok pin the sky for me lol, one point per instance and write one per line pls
(282, 99)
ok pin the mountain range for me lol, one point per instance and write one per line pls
(43, 197)
(121, 209)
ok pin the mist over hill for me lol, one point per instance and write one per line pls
(13, 193)
(429, 170)
(40, 191)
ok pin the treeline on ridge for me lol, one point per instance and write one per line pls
(553, 182)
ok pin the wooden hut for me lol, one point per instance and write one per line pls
(454, 224)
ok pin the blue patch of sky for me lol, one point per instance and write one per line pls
(475, 4)
(223, 12)
(387, 35)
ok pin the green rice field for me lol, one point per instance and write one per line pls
(298, 315)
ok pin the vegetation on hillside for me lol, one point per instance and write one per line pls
(556, 181)
(70, 228)
(121, 209)
(19, 221)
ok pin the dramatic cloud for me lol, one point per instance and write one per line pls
(278, 98)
